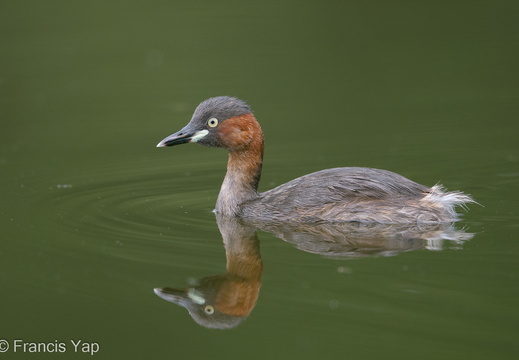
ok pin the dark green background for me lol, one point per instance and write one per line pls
(93, 216)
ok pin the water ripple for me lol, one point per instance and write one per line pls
(141, 210)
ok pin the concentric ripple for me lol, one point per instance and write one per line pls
(128, 211)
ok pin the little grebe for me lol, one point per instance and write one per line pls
(332, 195)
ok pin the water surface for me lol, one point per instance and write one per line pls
(94, 217)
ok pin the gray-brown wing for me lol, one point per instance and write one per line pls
(350, 184)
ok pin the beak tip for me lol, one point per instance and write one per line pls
(181, 137)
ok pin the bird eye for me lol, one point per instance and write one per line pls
(212, 122)
(209, 309)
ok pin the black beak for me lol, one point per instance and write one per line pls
(189, 133)
(181, 137)
(176, 296)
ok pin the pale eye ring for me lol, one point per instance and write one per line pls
(212, 122)
(209, 309)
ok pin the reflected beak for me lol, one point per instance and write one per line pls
(175, 296)
(184, 136)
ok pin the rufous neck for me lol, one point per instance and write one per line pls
(245, 167)
(243, 175)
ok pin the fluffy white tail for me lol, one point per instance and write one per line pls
(448, 200)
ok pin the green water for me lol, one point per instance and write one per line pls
(94, 216)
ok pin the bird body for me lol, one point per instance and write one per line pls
(332, 195)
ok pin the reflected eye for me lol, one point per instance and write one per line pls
(212, 122)
(209, 309)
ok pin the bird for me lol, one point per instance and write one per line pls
(344, 194)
